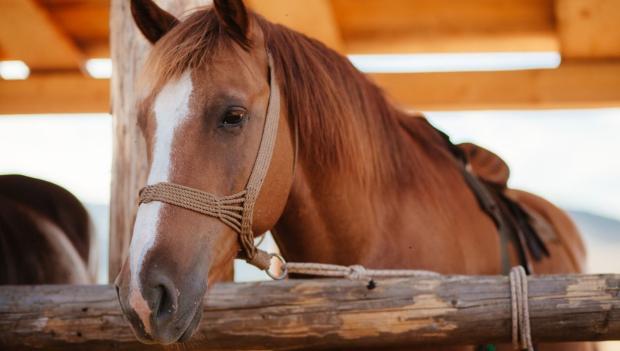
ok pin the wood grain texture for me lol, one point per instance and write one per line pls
(324, 313)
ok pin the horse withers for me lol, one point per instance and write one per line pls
(351, 179)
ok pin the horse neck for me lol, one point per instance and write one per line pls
(331, 218)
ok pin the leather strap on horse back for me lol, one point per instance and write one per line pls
(512, 222)
(236, 211)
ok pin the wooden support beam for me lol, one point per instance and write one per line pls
(343, 314)
(405, 26)
(576, 84)
(589, 28)
(54, 93)
(314, 18)
(28, 33)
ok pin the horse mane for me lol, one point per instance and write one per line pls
(345, 121)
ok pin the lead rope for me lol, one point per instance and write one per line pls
(520, 315)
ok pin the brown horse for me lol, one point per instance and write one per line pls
(46, 236)
(352, 180)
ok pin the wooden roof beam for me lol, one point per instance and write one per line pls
(413, 26)
(28, 33)
(589, 28)
(55, 93)
(313, 18)
(575, 84)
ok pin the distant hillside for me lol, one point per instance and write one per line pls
(602, 239)
(597, 228)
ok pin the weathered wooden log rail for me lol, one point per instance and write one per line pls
(325, 313)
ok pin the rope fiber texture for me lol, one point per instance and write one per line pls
(521, 332)
(235, 210)
(355, 272)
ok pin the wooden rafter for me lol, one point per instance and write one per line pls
(402, 26)
(54, 93)
(589, 28)
(314, 18)
(28, 33)
(575, 84)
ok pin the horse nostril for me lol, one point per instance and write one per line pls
(165, 302)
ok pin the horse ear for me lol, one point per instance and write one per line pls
(153, 22)
(234, 16)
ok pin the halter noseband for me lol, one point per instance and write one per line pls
(235, 210)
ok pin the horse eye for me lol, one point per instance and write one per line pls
(234, 117)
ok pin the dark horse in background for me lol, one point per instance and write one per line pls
(46, 235)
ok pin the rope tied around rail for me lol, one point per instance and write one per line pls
(521, 332)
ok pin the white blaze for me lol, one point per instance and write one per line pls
(171, 108)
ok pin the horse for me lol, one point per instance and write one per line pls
(46, 235)
(345, 176)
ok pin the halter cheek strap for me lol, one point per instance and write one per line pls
(235, 210)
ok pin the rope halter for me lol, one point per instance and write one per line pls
(235, 210)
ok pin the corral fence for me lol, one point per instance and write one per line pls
(325, 313)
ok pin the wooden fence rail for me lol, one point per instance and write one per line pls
(325, 313)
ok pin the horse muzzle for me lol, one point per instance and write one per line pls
(157, 312)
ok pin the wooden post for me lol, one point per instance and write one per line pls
(327, 313)
(129, 168)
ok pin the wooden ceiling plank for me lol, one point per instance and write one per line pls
(28, 33)
(54, 93)
(410, 26)
(575, 84)
(84, 21)
(589, 28)
(447, 43)
(313, 18)
(364, 17)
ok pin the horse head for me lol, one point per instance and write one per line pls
(205, 95)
